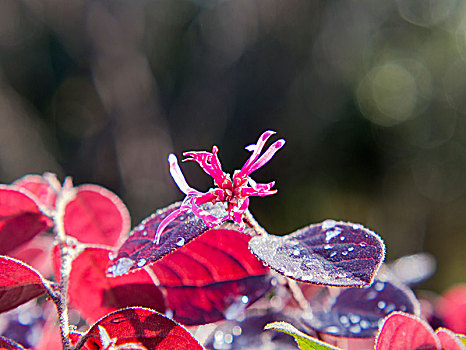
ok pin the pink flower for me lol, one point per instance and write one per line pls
(233, 191)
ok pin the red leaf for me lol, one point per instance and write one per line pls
(452, 308)
(140, 246)
(19, 283)
(218, 255)
(9, 344)
(139, 327)
(40, 187)
(213, 277)
(37, 253)
(401, 331)
(20, 218)
(448, 340)
(96, 215)
(95, 295)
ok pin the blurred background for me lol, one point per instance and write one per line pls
(370, 96)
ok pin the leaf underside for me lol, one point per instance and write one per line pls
(19, 283)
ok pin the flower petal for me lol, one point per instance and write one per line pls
(256, 150)
(178, 177)
(267, 155)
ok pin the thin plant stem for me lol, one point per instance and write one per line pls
(67, 254)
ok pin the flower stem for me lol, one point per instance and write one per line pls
(67, 254)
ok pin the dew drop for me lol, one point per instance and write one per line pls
(169, 313)
(356, 227)
(344, 320)
(390, 308)
(144, 233)
(362, 244)
(331, 329)
(342, 238)
(350, 249)
(122, 266)
(140, 227)
(180, 242)
(332, 233)
(236, 309)
(381, 305)
(237, 331)
(379, 286)
(332, 254)
(228, 338)
(296, 252)
(327, 246)
(354, 318)
(218, 339)
(355, 329)
(181, 218)
(141, 262)
(365, 324)
(344, 253)
(371, 295)
(328, 224)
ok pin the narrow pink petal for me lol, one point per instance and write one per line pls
(260, 186)
(177, 175)
(257, 149)
(219, 176)
(208, 219)
(248, 191)
(238, 214)
(165, 222)
(209, 162)
(267, 155)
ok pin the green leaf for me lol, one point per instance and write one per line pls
(304, 341)
(462, 337)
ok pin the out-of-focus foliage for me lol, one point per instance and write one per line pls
(370, 96)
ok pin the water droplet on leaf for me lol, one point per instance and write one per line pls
(355, 329)
(180, 242)
(122, 266)
(328, 224)
(141, 262)
(332, 233)
(381, 305)
(379, 286)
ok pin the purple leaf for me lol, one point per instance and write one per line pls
(140, 245)
(356, 312)
(331, 253)
(249, 333)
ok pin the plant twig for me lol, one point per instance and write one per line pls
(67, 254)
